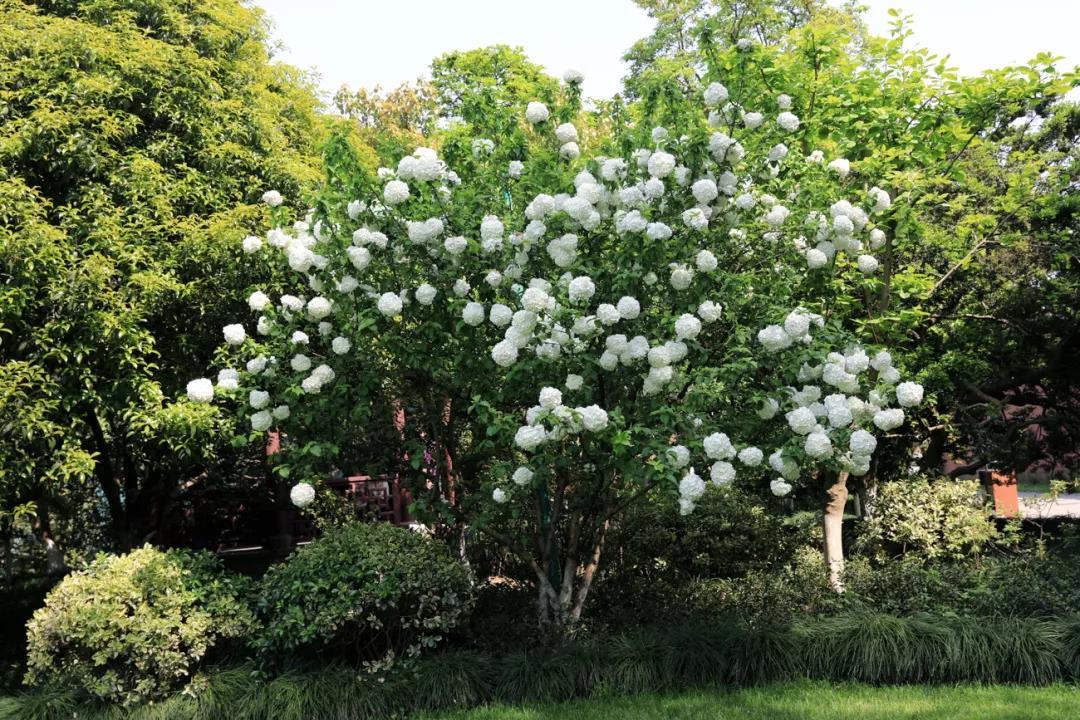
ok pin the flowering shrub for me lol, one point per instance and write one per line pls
(677, 306)
(375, 592)
(129, 628)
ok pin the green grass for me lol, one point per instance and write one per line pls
(809, 701)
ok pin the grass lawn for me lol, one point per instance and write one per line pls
(811, 701)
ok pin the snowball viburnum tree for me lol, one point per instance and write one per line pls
(575, 333)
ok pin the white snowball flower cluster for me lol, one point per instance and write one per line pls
(536, 112)
(302, 495)
(200, 391)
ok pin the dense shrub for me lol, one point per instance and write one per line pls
(770, 595)
(1021, 585)
(655, 553)
(367, 591)
(929, 519)
(130, 627)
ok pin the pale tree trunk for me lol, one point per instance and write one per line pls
(561, 606)
(836, 494)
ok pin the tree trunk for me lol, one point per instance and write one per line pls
(836, 494)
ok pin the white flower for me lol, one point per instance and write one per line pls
(751, 456)
(455, 245)
(774, 338)
(581, 289)
(234, 334)
(709, 311)
(752, 119)
(257, 364)
(685, 506)
(840, 166)
(473, 314)
(425, 294)
(715, 94)
(395, 192)
(499, 495)
(681, 277)
(661, 164)
(566, 133)
(788, 121)
(574, 382)
(704, 191)
(881, 199)
(573, 77)
(318, 308)
(691, 487)
(722, 473)
(201, 390)
(801, 420)
(482, 146)
(261, 421)
(909, 394)
(705, 261)
(500, 315)
(536, 112)
(272, 198)
(522, 476)
(340, 345)
(550, 398)
(695, 218)
(515, 169)
(281, 412)
(535, 300)
(687, 327)
(658, 356)
(300, 362)
(817, 156)
(258, 399)
(360, 257)
(862, 443)
(868, 264)
(818, 445)
(258, 301)
(816, 259)
(593, 418)
(657, 231)
(504, 353)
(779, 487)
(529, 437)
(678, 456)
(768, 409)
(461, 287)
(718, 447)
(608, 360)
(389, 304)
(889, 419)
(252, 244)
(777, 215)
(302, 495)
(628, 308)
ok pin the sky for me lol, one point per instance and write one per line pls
(364, 43)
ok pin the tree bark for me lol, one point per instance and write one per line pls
(836, 494)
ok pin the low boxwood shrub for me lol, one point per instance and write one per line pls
(370, 592)
(131, 627)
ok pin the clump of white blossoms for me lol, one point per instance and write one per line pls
(609, 283)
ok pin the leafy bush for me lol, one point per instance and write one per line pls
(656, 552)
(769, 595)
(1022, 586)
(930, 520)
(372, 592)
(129, 627)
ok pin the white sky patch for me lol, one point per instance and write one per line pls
(363, 44)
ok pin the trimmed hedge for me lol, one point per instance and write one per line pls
(869, 648)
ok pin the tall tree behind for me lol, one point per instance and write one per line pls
(136, 139)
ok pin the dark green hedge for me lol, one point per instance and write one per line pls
(870, 648)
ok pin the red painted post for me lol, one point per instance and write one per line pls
(1001, 486)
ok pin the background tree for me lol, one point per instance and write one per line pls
(136, 138)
